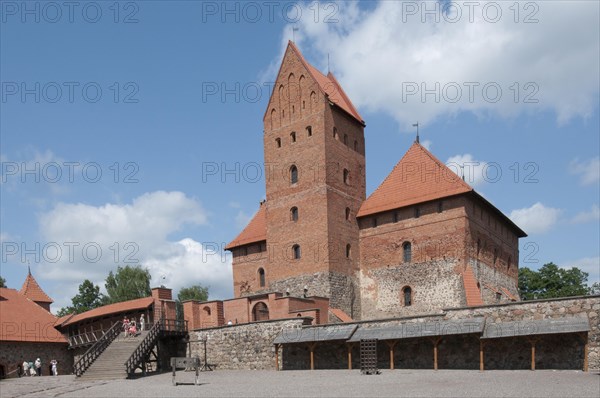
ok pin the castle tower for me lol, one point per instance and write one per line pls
(304, 239)
(32, 290)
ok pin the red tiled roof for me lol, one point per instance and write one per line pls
(341, 315)
(24, 320)
(329, 86)
(509, 294)
(255, 231)
(418, 177)
(124, 306)
(32, 290)
(472, 292)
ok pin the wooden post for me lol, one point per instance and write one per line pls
(276, 356)
(435, 352)
(349, 345)
(532, 342)
(391, 345)
(480, 355)
(311, 347)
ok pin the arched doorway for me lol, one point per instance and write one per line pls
(260, 312)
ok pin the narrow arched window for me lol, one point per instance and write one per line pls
(261, 277)
(407, 296)
(407, 252)
(478, 246)
(348, 249)
(495, 256)
(335, 134)
(293, 174)
(296, 251)
(309, 131)
(278, 142)
(294, 213)
(293, 136)
(346, 176)
(347, 214)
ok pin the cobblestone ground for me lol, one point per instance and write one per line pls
(320, 383)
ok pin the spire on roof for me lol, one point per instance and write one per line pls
(32, 290)
(417, 126)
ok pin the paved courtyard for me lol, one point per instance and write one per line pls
(320, 383)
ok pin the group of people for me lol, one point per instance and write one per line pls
(130, 327)
(35, 368)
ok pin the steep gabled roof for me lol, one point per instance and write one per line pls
(328, 86)
(24, 320)
(418, 177)
(32, 290)
(255, 231)
(110, 309)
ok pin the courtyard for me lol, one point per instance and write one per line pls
(320, 383)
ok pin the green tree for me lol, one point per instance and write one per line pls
(195, 292)
(2, 282)
(594, 289)
(128, 283)
(551, 281)
(89, 297)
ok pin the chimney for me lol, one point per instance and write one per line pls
(162, 293)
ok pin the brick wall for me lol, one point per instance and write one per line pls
(17, 352)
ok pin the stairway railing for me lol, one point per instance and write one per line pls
(144, 348)
(95, 350)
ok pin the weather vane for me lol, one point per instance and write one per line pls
(417, 126)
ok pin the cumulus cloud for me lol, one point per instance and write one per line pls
(588, 170)
(418, 66)
(96, 239)
(474, 171)
(536, 219)
(587, 216)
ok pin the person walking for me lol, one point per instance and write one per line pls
(54, 364)
(142, 323)
(25, 368)
(38, 367)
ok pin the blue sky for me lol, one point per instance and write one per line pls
(132, 134)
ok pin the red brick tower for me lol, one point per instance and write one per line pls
(304, 239)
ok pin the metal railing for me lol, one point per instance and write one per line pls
(98, 348)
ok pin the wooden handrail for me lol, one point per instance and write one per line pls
(96, 349)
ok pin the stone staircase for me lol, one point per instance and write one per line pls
(111, 363)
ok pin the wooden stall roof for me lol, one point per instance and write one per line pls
(542, 326)
(424, 329)
(315, 334)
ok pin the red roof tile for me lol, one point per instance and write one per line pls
(341, 315)
(329, 86)
(418, 177)
(255, 231)
(472, 292)
(24, 320)
(32, 290)
(110, 309)
(509, 294)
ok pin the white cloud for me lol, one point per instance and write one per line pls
(427, 144)
(591, 265)
(474, 171)
(589, 171)
(536, 219)
(104, 237)
(381, 53)
(587, 216)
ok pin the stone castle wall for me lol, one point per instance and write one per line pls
(13, 353)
